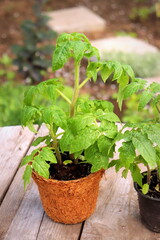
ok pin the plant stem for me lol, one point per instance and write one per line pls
(55, 145)
(157, 109)
(83, 83)
(148, 174)
(64, 96)
(76, 89)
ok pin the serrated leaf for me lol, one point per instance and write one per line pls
(97, 159)
(26, 160)
(41, 167)
(136, 174)
(127, 154)
(153, 132)
(110, 116)
(155, 87)
(84, 139)
(47, 155)
(27, 175)
(117, 70)
(30, 95)
(145, 188)
(134, 87)
(92, 70)
(29, 114)
(106, 106)
(66, 140)
(106, 71)
(144, 99)
(104, 144)
(125, 173)
(145, 148)
(61, 55)
(39, 140)
(79, 122)
(108, 128)
(54, 114)
(129, 70)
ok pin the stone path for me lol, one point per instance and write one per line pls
(123, 44)
(77, 19)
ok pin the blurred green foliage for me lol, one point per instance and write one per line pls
(131, 113)
(146, 65)
(6, 71)
(33, 57)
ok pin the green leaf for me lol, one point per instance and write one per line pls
(41, 167)
(30, 95)
(127, 154)
(26, 160)
(129, 70)
(27, 175)
(145, 99)
(109, 129)
(123, 82)
(84, 139)
(145, 148)
(106, 70)
(110, 116)
(97, 159)
(106, 106)
(136, 174)
(61, 55)
(134, 87)
(154, 87)
(39, 140)
(92, 70)
(153, 132)
(54, 114)
(145, 188)
(47, 154)
(79, 122)
(66, 140)
(29, 114)
(117, 70)
(104, 144)
(125, 173)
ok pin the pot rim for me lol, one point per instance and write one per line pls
(145, 196)
(50, 180)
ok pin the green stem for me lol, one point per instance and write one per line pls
(157, 109)
(84, 82)
(64, 96)
(148, 175)
(55, 145)
(76, 89)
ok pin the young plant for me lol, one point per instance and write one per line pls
(141, 141)
(32, 57)
(88, 127)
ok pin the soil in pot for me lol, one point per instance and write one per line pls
(149, 204)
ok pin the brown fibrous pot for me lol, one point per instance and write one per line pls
(71, 201)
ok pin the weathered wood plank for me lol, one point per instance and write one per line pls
(26, 222)
(57, 231)
(14, 143)
(117, 214)
(14, 197)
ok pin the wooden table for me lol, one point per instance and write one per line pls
(22, 216)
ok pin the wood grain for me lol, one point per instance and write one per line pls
(14, 196)
(117, 214)
(14, 143)
(57, 231)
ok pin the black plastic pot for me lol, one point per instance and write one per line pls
(149, 210)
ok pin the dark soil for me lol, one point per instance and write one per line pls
(115, 12)
(69, 171)
(153, 193)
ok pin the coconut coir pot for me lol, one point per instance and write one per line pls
(71, 201)
(149, 210)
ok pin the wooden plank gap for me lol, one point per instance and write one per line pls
(81, 230)
(40, 225)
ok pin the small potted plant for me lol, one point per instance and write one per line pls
(69, 166)
(141, 147)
